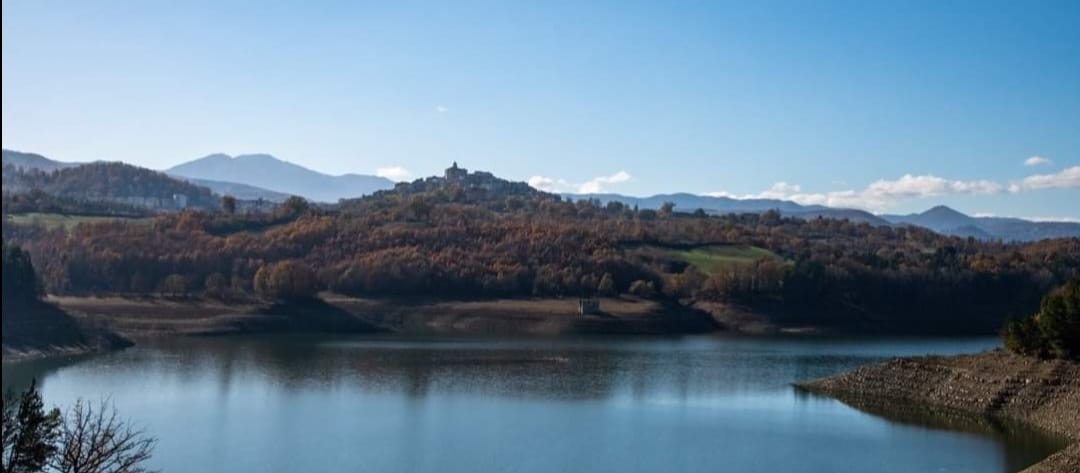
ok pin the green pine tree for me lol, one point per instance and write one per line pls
(30, 433)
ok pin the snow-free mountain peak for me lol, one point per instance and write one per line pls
(271, 173)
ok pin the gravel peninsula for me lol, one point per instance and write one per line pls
(994, 386)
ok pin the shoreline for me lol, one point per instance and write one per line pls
(991, 386)
(18, 355)
(153, 317)
(156, 316)
(35, 330)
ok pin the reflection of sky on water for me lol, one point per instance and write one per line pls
(385, 403)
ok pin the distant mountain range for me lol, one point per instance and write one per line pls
(945, 220)
(246, 177)
(119, 182)
(689, 202)
(261, 176)
(940, 219)
(281, 177)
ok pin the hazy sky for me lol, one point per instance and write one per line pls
(886, 105)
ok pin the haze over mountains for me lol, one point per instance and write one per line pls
(940, 219)
(945, 220)
(247, 177)
(282, 177)
(262, 176)
(723, 205)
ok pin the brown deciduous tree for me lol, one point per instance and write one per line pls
(286, 280)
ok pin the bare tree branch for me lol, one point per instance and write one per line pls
(95, 440)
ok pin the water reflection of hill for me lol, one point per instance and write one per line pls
(455, 402)
(534, 368)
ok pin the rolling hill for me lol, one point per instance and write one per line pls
(22, 160)
(27, 161)
(111, 182)
(267, 172)
(240, 191)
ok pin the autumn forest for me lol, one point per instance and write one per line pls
(462, 241)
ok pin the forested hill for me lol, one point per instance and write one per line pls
(471, 235)
(29, 161)
(456, 185)
(114, 182)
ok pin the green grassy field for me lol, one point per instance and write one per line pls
(709, 259)
(66, 221)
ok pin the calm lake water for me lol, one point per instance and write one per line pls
(393, 404)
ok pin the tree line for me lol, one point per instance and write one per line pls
(1053, 331)
(39, 201)
(450, 242)
(108, 182)
(20, 283)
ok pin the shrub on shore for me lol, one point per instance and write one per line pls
(1054, 331)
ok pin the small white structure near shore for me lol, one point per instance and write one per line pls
(588, 306)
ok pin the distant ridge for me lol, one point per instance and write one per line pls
(854, 215)
(116, 182)
(941, 219)
(936, 218)
(28, 161)
(261, 176)
(240, 191)
(33, 161)
(948, 221)
(690, 202)
(267, 172)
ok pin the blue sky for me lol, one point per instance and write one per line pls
(890, 106)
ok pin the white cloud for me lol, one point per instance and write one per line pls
(1033, 219)
(597, 184)
(780, 190)
(593, 186)
(909, 186)
(1065, 179)
(549, 184)
(1037, 161)
(394, 173)
(441, 109)
(1054, 219)
(722, 194)
(878, 196)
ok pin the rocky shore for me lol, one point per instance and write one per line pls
(995, 385)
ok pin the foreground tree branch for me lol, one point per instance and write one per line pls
(95, 440)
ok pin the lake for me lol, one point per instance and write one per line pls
(385, 403)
